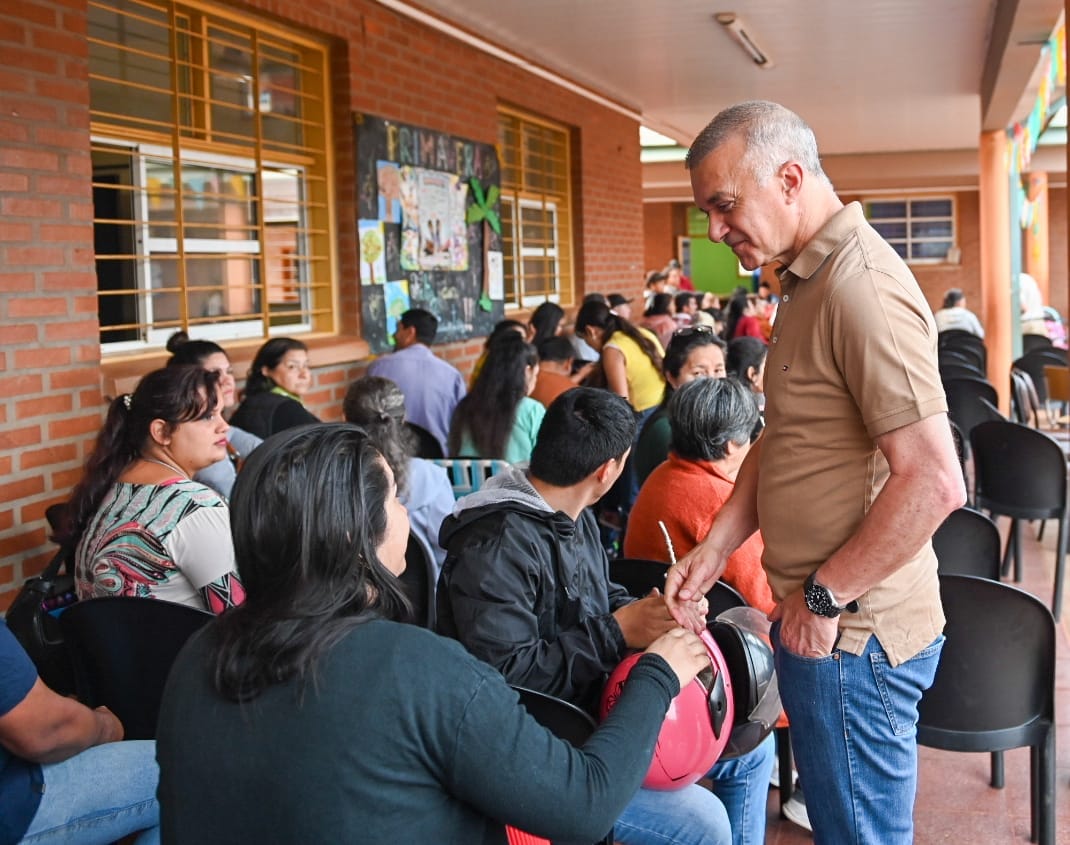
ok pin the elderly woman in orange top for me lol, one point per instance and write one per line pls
(712, 421)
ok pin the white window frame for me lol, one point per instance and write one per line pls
(524, 300)
(147, 246)
(908, 240)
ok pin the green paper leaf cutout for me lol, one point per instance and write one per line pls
(477, 192)
(482, 207)
(485, 302)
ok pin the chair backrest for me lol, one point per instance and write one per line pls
(1019, 471)
(968, 543)
(1035, 341)
(1034, 363)
(122, 649)
(997, 668)
(566, 721)
(963, 407)
(971, 355)
(467, 475)
(638, 576)
(968, 358)
(1057, 382)
(418, 580)
(427, 445)
(956, 369)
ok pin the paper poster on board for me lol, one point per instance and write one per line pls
(372, 248)
(495, 275)
(434, 234)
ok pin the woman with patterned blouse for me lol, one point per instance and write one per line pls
(143, 527)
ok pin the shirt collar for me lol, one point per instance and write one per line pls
(826, 241)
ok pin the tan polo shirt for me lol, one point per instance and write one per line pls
(852, 356)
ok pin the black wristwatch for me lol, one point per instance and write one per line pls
(819, 600)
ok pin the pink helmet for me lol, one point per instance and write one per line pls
(697, 725)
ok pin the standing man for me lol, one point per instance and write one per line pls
(855, 471)
(432, 388)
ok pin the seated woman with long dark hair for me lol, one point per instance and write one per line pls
(278, 378)
(211, 356)
(143, 526)
(310, 714)
(498, 418)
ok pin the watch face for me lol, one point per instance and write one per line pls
(819, 600)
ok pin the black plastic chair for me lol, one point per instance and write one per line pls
(563, 720)
(418, 581)
(1021, 473)
(968, 543)
(427, 445)
(962, 405)
(995, 687)
(1034, 362)
(122, 649)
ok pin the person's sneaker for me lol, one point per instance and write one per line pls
(794, 810)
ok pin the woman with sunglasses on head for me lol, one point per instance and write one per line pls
(278, 378)
(142, 525)
(330, 721)
(694, 352)
(210, 356)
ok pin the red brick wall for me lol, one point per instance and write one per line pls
(382, 63)
(49, 355)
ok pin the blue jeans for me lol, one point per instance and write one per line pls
(733, 813)
(99, 796)
(854, 736)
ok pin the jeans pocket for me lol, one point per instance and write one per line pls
(785, 652)
(901, 686)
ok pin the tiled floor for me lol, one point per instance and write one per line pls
(955, 803)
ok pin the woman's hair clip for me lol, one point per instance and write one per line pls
(128, 400)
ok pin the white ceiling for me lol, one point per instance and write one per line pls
(870, 76)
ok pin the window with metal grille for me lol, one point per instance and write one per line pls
(536, 209)
(212, 207)
(921, 230)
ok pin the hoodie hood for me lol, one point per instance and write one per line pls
(509, 490)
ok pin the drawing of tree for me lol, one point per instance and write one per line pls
(371, 247)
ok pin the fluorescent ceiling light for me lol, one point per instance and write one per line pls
(735, 27)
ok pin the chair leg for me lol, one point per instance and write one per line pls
(1040, 531)
(998, 780)
(1044, 804)
(1017, 535)
(1060, 568)
(1008, 551)
(784, 762)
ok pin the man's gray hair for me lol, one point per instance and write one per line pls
(707, 414)
(773, 135)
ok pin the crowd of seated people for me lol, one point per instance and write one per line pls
(306, 591)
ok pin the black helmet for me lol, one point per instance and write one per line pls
(742, 634)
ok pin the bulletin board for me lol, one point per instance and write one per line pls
(428, 230)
